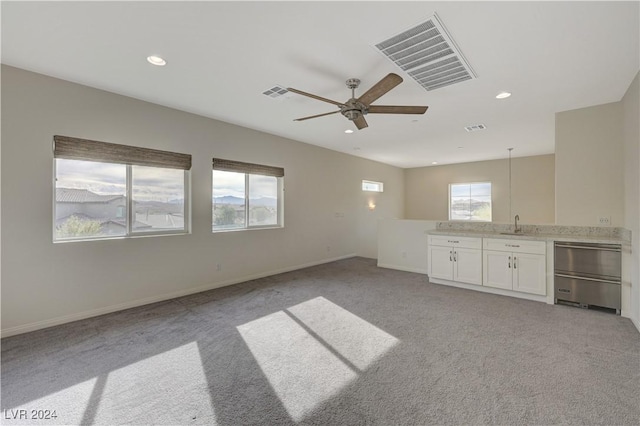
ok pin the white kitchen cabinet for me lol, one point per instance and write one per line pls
(455, 259)
(518, 265)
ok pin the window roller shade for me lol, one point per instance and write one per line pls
(250, 168)
(82, 149)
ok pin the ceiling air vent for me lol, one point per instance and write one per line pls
(475, 127)
(428, 54)
(276, 91)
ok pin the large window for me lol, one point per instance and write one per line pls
(245, 195)
(470, 201)
(106, 190)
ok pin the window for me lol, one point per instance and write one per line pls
(470, 201)
(245, 195)
(369, 185)
(106, 190)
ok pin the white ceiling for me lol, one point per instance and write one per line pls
(553, 56)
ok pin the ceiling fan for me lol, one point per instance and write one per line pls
(355, 109)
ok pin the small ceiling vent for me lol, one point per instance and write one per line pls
(276, 91)
(428, 54)
(475, 127)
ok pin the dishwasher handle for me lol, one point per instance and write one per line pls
(590, 247)
(587, 279)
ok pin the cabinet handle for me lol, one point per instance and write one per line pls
(509, 262)
(455, 256)
(450, 258)
(514, 262)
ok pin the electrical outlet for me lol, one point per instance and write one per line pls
(604, 220)
(218, 267)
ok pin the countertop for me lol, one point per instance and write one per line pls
(534, 236)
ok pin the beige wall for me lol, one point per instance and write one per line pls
(326, 214)
(589, 165)
(427, 188)
(631, 137)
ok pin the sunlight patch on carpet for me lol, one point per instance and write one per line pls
(357, 340)
(312, 350)
(62, 405)
(302, 371)
(160, 384)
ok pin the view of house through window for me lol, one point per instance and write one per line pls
(158, 198)
(91, 200)
(470, 201)
(245, 200)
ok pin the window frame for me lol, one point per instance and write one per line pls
(231, 166)
(128, 195)
(470, 219)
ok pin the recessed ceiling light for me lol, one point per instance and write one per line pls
(156, 60)
(434, 162)
(348, 131)
(503, 95)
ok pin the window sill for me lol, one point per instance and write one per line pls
(121, 237)
(253, 228)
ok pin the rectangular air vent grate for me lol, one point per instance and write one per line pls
(276, 91)
(428, 54)
(475, 127)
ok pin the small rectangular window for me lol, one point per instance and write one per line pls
(246, 196)
(370, 185)
(107, 190)
(470, 201)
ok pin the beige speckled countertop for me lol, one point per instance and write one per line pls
(603, 235)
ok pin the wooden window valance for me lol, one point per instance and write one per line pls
(250, 168)
(83, 149)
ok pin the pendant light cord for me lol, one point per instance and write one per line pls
(510, 149)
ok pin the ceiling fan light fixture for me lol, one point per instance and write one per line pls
(156, 60)
(503, 95)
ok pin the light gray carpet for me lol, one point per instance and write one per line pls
(344, 343)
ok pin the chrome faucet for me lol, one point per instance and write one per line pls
(516, 229)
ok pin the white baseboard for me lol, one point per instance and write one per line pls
(154, 299)
(636, 323)
(403, 268)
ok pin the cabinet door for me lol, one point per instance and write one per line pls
(497, 271)
(440, 262)
(467, 266)
(529, 273)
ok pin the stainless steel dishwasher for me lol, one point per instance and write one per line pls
(588, 275)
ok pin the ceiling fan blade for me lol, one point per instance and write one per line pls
(316, 116)
(360, 122)
(320, 98)
(380, 88)
(397, 109)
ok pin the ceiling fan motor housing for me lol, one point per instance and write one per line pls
(352, 109)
